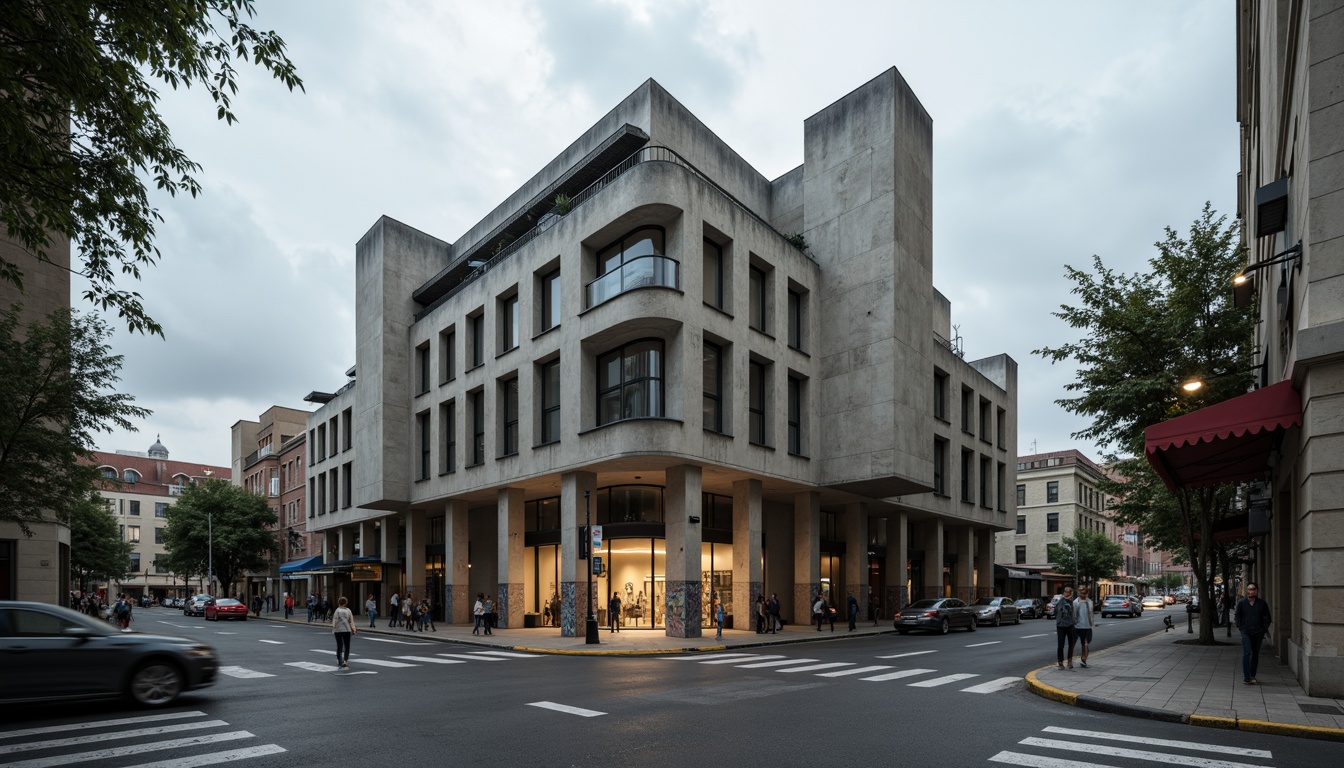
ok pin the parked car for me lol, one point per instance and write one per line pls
(996, 611)
(1153, 601)
(939, 615)
(1031, 607)
(1126, 605)
(196, 605)
(50, 653)
(225, 608)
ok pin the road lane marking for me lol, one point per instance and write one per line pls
(273, 642)
(1028, 637)
(903, 655)
(112, 753)
(1192, 745)
(507, 654)
(1137, 754)
(384, 663)
(735, 661)
(703, 656)
(897, 675)
(981, 645)
(813, 667)
(398, 642)
(327, 651)
(226, 633)
(216, 757)
(857, 671)
(944, 680)
(242, 674)
(430, 660)
(1040, 761)
(566, 709)
(100, 724)
(311, 666)
(179, 626)
(993, 685)
(132, 734)
(467, 657)
(764, 664)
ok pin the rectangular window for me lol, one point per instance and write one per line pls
(713, 268)
(135, 563)
(630, 382)
(795, 416)
(713, 386)
(1001, 488)
(447, 356)
(550, 402)
(967, 476)
(1052, 492)
(424, 439)
(1002, 424)
(158, 535)
(757, 306)
(160, 509)
(477, 400)
(508, 391)
(312, 496)
(986, 428)
(550, 300)
(1052, 522)
(477, 340)
(795, 319)
(508, 323)
(985, 479)
(335, 486)
(348, 484)
(448, 434)
(134, 509)
(133, 534)
(756, 402)
(967, 411)
(1020, 555)
(940, 467)
(348, 430)
(1021, 525)
(1021, 495)
(421, 370)
(940, 396)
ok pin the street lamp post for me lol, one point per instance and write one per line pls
(590, 633)
(210, 552)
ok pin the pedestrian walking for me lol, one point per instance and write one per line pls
(289, 606)
(478, 612)
(312, 608)
(342, 626)
(760, 614)
(1082, 623)
(1064, 627)
(718, 617)
(874, 607)
(408, 613)
(395, 615)
(429, 615)
(819, 610)
(614, 612)
(488, 616)
(1253, 619)
(775, 623)
(371, 608)
(852, 608)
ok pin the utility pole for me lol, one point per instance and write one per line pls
(210, 552)
(590, 633)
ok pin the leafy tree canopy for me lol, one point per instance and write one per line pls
(97, 552)
(1144, 335)
(56, 390)
(81, 130)
(1089, 555)
(242, 531)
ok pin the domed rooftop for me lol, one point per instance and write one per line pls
(157, 450)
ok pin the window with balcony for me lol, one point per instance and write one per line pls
(713, 269)
(550, 402)
(630, 382)
(634, 261)
(508, 402)
(550, 300)
(713, 386)
(757, 385)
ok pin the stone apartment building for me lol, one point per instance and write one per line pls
(268, 458)
(746, 382)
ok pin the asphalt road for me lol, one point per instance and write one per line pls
(915, 700)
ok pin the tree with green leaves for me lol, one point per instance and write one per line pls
(237, 520)
(1167, 582)
(1087, 555)
(1144, 335)
(81, 129)
(57, 388)
(97, 551)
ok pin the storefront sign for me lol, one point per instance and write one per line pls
(597, 538)
(366, 572)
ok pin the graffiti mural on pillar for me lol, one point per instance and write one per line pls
(508, 599)
(568, 609)
(683, 609)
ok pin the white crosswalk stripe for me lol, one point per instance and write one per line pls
(384, 663)
(468, 657)
(430, 660)
(1094, 752)
(508, 654)
(872, 673)
(109, 735)
(243, 674)
(735, 661)
(993, 686)
(944, 680)
(777, 663)
(312, 666)
(814, 667)
(898, 675)
(856, 671)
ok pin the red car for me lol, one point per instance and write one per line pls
(225, 608)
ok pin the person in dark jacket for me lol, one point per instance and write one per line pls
(1064, 622)
(852, 609)
(1253, 620)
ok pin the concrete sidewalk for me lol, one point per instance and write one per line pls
(629, 641)
(1157, 678)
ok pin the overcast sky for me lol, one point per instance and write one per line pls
(1061, 130)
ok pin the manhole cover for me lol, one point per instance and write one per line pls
(1321, 709)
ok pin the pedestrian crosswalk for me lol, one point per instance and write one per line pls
(397, 662)
(872, 673)
(190, 739)
(1077, 748)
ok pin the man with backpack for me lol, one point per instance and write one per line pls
(1064, 621)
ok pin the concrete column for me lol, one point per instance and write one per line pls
(747, 580)
(898, 563)
(345, 543)
(933, 560)
(806, 553)
(509, 566)
(984, 564)
(417, 534)
(964, 578)
(573, 608)
(681, 611)
(387, 539)
(856, 559)
(457, 602)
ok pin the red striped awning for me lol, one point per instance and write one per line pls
(1228, 442)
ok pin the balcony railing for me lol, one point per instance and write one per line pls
(640, 272)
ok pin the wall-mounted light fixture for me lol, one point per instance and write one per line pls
(1243, 289)
(695, 519)
(1197, 383)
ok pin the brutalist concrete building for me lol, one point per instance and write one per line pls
(747, 383)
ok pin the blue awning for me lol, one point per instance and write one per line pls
(306, 564)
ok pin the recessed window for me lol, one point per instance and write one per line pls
(940, 467)
(550, 402)
(796, 302)
(1020, 555)
(133, 534)
(132, 476)
(347, 483)
(758, 304)
(508, 323)
(1001, 489)
(448, 430)
(550, 300)
(940, 396)
(1052, 522)
(1002, 424)
(424, 441)
(630, 382)
(160, 509)
(985, 479)
(421, 373)
(477, 325)
(756, 402)
(477, 401)
(134, 509)
(634, 261)
(986, 428)
(508, 392)
(1021, 495)
(713, 269)
(795, 404)
(1021, 525)
(348, 430)
(447, 355)
(967, 476)
(1052, 492)
(713, 385)
(968, 411)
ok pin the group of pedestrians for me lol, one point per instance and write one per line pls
(406, 612)
(484, 614)
(767, 615)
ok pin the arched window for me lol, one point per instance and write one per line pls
(630, 382)
(109, 473)
(132, 476)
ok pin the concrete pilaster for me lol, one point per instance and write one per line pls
(417, 535)
(509, 598)
(680, 501)
(856, 558)
(747, 580)
(898, 563)
(963, 580)
(457, 602)
(573, 611)
(345, 543)
(367, 546)
(984, 562)
(933, 560)
(806, 553)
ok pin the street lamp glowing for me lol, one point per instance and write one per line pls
(1240, 279)
(1193, 385)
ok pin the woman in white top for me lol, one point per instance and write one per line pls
(343, 626)
(478, 611)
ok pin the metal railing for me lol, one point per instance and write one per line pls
(639, 272)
